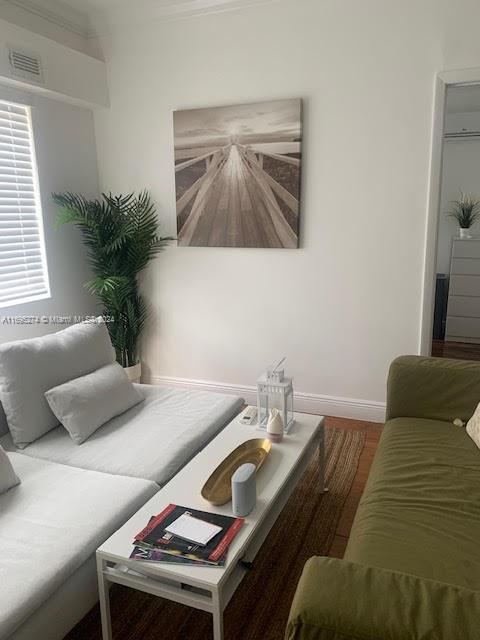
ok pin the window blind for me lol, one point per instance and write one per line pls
(23, 268)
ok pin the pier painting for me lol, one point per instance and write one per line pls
(237, 175)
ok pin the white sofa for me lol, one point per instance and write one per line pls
(73, 497)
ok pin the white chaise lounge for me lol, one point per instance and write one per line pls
(73, 497)
(50, 526)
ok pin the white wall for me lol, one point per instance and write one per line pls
(66, 158)
(348, 301)
(461, 172)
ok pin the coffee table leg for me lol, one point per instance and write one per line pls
(321, 459)
(217, 616)
(104, 598)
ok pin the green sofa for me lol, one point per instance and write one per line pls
(411, 570)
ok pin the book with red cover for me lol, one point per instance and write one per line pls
(154, 534)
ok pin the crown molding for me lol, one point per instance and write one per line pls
(171, 8)
(57, 13)
(95, 23)
(145, 11)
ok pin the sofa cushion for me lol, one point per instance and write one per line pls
(342, 600)
(51, 523)
(28, 368)
(82, 405)
(415, 382)
(8, 477)
(152, 440)
(420, 512)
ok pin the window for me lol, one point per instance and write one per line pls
(23, 267)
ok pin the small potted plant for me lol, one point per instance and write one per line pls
(465, 211)
(120, 234)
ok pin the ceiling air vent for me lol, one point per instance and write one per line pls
(26, 66)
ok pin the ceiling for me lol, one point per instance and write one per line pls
(463, 99)
(98, 17)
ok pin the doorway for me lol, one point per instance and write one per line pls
(454, 246)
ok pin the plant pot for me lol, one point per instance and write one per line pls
(134, 372)
(464, 233)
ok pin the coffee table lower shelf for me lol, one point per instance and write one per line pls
(187, 590)
(211, 600)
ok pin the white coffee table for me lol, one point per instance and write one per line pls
(210, 588)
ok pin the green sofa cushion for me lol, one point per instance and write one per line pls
(433, 388)
(420, 512)
(341, 600)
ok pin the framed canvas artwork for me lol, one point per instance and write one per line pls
(237, 175)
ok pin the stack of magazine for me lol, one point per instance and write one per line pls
(186, 536)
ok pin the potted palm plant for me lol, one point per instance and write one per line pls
(120, 235)
(465, 211)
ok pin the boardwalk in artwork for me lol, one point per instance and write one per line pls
(244, 193)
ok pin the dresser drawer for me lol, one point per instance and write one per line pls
(464, 306)
(465, 266)
(462, 328)
(464, 286)
(466, 249)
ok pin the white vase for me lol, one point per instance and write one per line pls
(275, 426)
(134, 372)
(464, 233)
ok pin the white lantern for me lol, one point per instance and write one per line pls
(275, 392)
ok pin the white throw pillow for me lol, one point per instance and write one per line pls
(28, 368)
(84, 404)
(473, 427)
(8, 477)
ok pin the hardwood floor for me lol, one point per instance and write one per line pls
(372, 431)
(457, 350)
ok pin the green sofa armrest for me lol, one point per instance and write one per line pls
(432, 388)
(342, 600)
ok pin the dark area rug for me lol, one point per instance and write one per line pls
(259, 608)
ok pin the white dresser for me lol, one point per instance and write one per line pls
(463, 311)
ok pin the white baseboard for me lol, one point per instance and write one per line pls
(305, 402)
